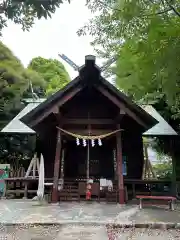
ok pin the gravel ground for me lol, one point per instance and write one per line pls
(67, 232)
(144, 234)
(84, 233)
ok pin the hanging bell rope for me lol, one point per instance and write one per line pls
(89, 137)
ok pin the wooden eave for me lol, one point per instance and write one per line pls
(145, 117)
(50, 103)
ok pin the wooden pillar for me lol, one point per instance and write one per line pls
(173, 180)
(56, 167)
(120, 167)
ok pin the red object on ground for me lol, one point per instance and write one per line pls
(111, 234)
(88, 195)
(156, 197)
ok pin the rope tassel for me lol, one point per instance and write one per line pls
(92, 142)
(99, 142)
(84, 142)
(77, 141)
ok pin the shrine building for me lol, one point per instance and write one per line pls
(90, 129)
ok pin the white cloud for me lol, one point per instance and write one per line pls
(47, 38)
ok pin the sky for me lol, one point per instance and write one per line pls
(49, 37)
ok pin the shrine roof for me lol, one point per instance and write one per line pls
(89, 75)
(156, 124)
(15, 125)
(162, 127)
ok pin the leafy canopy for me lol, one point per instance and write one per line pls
(14, 83)
(24, 12)
(143, 35)
(46, 76)
(14, 86)
(52, 71)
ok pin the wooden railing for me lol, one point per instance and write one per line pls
(72, 191)
(147, 187)
(79, 191)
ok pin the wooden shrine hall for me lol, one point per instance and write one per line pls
(90, 129)
(90, 106)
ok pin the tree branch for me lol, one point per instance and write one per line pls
(157, 13)
(173, 8)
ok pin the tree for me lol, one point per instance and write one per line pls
(143, 36)
(24, 12)
(52, 71)
(14, 83)
(119, 20)
(50, 75)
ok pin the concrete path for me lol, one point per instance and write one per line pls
(156, 214)
(18, 211)
(13, 211)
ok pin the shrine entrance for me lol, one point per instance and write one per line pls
(95, 161)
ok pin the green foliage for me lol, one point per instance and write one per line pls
(163, 170)
(147, 65)
(24, 12)
(144, 36)
(16, 149)
(46, 76)
(38, 84)
(14, 83)
(52, 71)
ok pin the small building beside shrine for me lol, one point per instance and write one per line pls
(89, 129)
